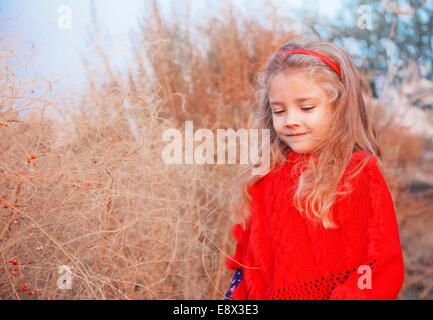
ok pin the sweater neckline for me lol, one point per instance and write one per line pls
(291, 155)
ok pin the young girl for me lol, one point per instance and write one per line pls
(321, 223)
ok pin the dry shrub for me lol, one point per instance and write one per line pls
(206, 72)
(97, 196)
(408, 175)
(100, 199)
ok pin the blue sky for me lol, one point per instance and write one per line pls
(59, 52)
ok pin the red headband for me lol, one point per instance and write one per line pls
(328, 61)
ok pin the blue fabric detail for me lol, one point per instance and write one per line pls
(235, 282)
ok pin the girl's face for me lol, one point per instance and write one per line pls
(300, 110)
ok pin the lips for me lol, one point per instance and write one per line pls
(296, 134)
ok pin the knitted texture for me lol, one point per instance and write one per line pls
(284, 255)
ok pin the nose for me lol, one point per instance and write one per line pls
(293, 118)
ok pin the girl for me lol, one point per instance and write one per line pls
(321, 223)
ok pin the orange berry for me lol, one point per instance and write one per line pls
(89, 183)
(12, 273)
(16, 268)
(33, 156)
(24, 288)
(16, 205)
(31, 178)
(6, 125)
(34, 164)
(31, 293)
(14, 262)
(6, 206)
(29, 161)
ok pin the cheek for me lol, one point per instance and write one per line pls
(275, 123)
(321, 121)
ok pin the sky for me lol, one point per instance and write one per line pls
(56, 32)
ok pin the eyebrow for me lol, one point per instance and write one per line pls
(301, 99)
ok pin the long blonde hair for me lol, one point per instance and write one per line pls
(352, 130)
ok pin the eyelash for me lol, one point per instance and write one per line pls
(304, 109)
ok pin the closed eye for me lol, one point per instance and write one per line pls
(308, 108)
(304, 109)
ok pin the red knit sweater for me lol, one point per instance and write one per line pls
(285, 256)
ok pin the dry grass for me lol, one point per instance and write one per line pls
(97, 196)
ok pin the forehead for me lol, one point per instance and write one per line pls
(293, 86)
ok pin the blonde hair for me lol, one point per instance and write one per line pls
(351, 130)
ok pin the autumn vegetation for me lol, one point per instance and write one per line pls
(82, 182)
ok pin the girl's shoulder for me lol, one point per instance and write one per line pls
(361, 166)
(371, 172)
(358, 157)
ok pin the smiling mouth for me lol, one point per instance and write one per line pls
(295, 135)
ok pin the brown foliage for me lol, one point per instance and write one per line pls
(97, 196)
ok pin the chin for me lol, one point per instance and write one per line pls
(300, 150)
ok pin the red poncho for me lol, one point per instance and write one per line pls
(285, 256)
